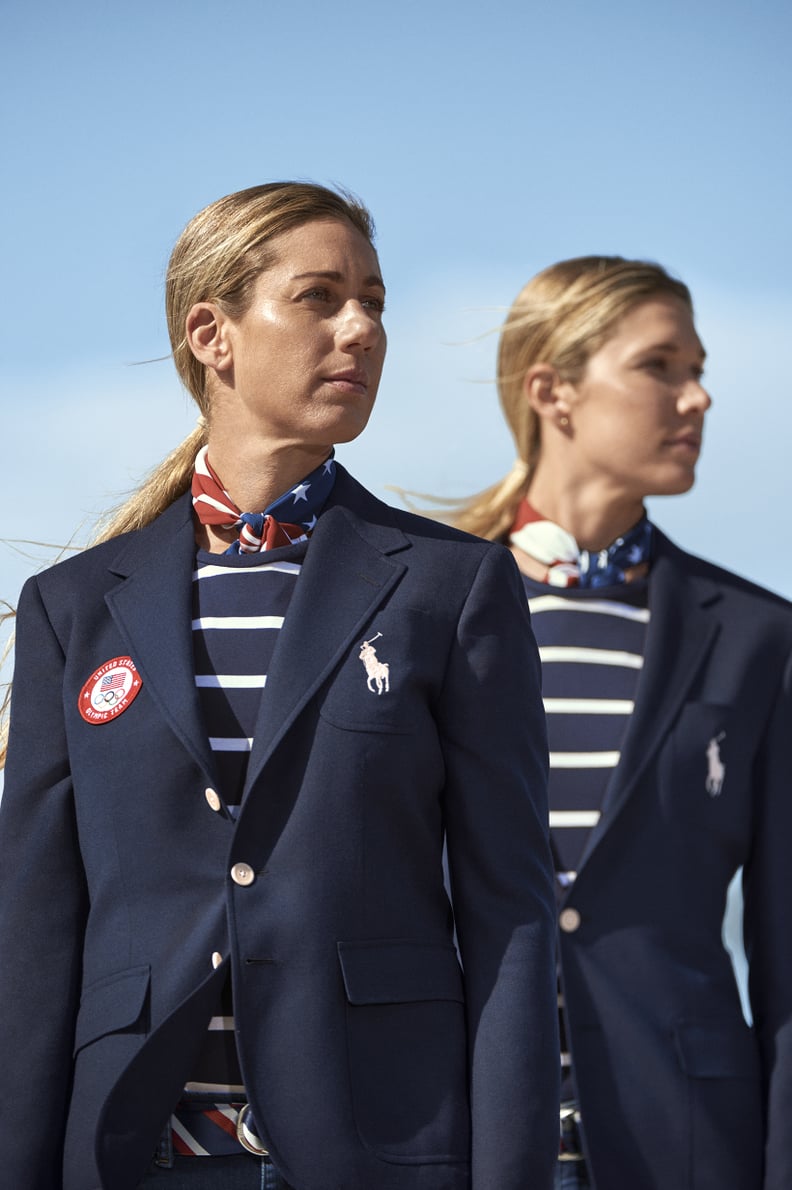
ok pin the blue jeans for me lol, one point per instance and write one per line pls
(244, 1172)
(571, 1175)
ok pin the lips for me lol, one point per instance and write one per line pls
(690, 439)
(350, 380)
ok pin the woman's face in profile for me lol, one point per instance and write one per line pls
(637, 414)
(306, 357)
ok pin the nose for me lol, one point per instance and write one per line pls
(694, 398)
(359, 329)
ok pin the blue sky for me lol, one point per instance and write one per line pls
(488, 140)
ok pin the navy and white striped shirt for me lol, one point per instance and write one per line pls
(591, 644)
(239, 605)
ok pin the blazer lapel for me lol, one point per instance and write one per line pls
(152, 608)
(681, 634)
(346, 575)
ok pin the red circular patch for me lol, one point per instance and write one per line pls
(109, 690)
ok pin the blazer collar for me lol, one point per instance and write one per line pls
(681, 633)
(152, 607)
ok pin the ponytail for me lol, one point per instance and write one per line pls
(491, 513)
(487, 514)
(166, 483)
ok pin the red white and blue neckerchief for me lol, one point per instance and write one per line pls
(567, 564)
(287, 520)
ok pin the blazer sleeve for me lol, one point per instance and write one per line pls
(493, 731)
(43, 908)
(768, 934)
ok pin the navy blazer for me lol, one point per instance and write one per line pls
(370, 1061)
(676, 1091)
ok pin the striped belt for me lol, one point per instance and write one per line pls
(203, 1126)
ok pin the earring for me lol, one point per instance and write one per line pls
(563, 421)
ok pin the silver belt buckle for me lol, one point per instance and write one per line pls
(246, 1137)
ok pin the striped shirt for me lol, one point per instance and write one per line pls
(591, 644)
(239, 604)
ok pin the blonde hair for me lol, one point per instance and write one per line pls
(217, 258)
(561, 318)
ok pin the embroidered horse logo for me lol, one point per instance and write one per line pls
(716, 769)
(377, 672)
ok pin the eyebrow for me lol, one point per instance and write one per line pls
(330, 275)
(672, 348)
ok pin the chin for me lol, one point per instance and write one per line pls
(675, 485)
(686, 481)
(347, 429)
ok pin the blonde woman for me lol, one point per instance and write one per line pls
(667, 688)
(241, 729)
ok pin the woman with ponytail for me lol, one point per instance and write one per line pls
(246, 726)
(668, 689)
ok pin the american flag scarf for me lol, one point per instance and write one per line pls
(567, 564)
(278, 524)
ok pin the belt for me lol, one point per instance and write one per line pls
(570, 1140)
(204, 1126)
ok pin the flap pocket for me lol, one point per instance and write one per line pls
(111, 1004)
(716, 1051)
(400, 972)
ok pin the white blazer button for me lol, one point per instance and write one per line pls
(212, 799)
(217, 959)
(242, 874)
(569, 920)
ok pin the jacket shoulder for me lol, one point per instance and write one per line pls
(729, 585)
(351, 494)
(419, 527)
(83, 567)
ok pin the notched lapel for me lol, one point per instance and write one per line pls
(344, 579)
(680, 636)
(153, 610)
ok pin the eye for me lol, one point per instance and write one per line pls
(373, 303)
(317, 294)
(656, 363)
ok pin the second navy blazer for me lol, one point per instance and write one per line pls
(677, 1091)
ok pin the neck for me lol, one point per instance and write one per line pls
(593, 512)
(256, 473)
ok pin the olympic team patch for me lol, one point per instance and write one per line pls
(109, 690)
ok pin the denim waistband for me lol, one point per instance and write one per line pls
(570, 1140)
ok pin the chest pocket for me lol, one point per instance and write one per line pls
(388, 677)
(705, 770)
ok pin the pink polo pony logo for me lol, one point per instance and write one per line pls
(716, 769)
(377, 672)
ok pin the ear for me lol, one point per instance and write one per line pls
(547, 394)
(206, 331)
